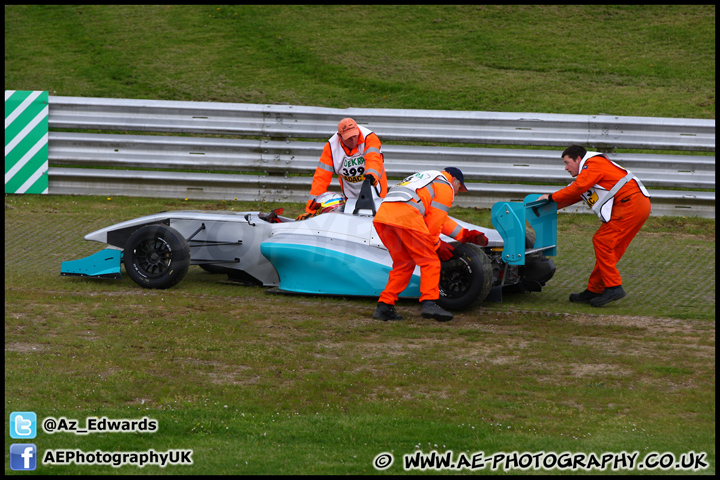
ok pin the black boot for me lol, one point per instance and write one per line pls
(583, 297)
(386, 312)
(609, 295)
(430, 309)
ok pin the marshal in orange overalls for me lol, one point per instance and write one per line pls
(413, 238)
(351, 165)
(630, 210)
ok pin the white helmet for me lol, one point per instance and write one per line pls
(330, 201)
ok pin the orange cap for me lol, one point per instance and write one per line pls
(348, 128)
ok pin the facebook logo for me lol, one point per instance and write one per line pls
(23, 456)
(23, 425)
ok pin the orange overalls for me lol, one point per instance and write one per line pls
(347, 166)
(630, 210)
(413, 238)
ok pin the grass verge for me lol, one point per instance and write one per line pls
(256, 383)
(514, 58)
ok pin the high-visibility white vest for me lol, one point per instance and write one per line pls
(406, 190)
(599, 199)
(350, 169)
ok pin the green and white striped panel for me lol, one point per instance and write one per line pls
(26, 142)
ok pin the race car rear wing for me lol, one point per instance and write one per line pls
(509, 219)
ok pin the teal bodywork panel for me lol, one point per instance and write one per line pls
(103, 264)
(509, 219)
(313, 270)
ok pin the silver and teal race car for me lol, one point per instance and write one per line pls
(336, 253)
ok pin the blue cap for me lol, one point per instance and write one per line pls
(456, 173)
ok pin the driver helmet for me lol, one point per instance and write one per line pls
(330, 201)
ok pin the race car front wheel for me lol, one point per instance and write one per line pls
(156, 256)
(465, 279)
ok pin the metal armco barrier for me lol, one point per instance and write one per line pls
(213, 186)
(298, 122)
(296, 157)
(264, 148)
(26, 142)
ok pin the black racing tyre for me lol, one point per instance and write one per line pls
(537, 270)
(156, 256)
(529, 238)
(465, 279)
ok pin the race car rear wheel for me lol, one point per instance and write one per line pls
(465, 279)
(529, 238)
(156, 256)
